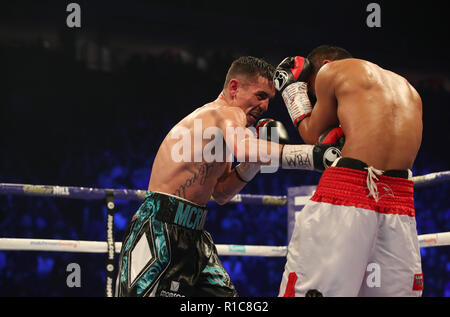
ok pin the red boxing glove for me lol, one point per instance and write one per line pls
(272, 130)
(290, 70)
(333, 136)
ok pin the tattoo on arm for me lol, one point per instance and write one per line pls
(199, 176)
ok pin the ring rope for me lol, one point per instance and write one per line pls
(121, 194)
(132, 194)
(20, 244)
(431, 179)
(110, 247)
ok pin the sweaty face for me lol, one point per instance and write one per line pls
(253, 98)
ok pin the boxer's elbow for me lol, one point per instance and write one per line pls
(221, 199)
(308, 135)
(310, 139)
(221, 202)
(220, 195)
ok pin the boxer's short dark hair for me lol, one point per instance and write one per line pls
(323, 52)
(251, 67)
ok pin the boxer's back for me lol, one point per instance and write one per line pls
(380, 113)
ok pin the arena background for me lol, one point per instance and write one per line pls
(89, 107)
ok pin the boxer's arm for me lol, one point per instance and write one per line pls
(241, 142)
(324, 113)
(257, 152)
(232, 181)
(228, 186)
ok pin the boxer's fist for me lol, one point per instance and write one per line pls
(328, 149)
(334, 136)
(290, 70)
(324, 156)
(272, 130)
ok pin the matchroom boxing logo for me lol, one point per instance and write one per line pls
(199, 144)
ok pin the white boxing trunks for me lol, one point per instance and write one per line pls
(356, 236)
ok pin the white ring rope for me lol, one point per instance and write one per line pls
(19, 244)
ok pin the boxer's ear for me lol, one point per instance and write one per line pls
(233, 86)
(326, 61)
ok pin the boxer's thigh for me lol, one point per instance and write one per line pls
(144, 258)
(397, 257)
(213, 279)
(328, 251)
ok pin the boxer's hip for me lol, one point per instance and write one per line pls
(174, 210)
(357, 216)
(350, 182)
(166, 252)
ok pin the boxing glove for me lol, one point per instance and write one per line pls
(290, 80)
(291, 70)
(315, 157)
(334, 136)
(271, 130)
(328, 148)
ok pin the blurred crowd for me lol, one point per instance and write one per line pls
(63, 123)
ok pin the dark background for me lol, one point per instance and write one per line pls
(90, 106)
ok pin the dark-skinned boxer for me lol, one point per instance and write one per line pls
(357, 235)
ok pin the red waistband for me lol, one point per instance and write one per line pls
(348, 187)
